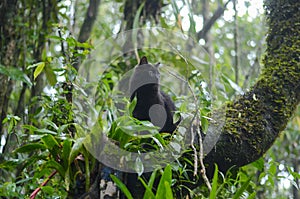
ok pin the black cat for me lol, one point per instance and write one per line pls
(152, 104)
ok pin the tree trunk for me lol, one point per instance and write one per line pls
(254, 120)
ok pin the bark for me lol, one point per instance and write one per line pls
(255, 120)
(87, 26)
(150, 11)
(7, 52)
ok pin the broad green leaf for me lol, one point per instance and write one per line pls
(49, 141)
(51, 77)
(30, 147)
(122, 186)
(55, 165)
(39, 68)
(164, 187)
(48, 190)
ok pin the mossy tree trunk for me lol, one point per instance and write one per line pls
(255, 120)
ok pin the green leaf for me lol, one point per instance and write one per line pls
(30, 147)
(259, 164)
(137, 16)
(122, 186)
(252, 195)
(232, 84)
(67, 144)
(15, 74)
(241, 190)
(50, 75)
(136, 25)
(39, 68)
(76, 149)
(56, 38)
(49, 141)
(40, 131)
(213, 192)
(132, 106)
(55, 165)
(9, 164)
(149, 194)
(48, 190)
(164, 187)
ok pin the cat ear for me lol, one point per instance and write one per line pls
(157, 65)
(144, 60)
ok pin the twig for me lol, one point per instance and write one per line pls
(201, 157)
(197, 116)
(36, 191)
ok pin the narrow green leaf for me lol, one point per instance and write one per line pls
(213, 192)
(30, 147)
(252, 195)
(67, 144)
(76, 149)
(149, 193)
(33, 65)
(38, 70)
(137, 16)
(132, 106)
(241, 190)
(122, 186)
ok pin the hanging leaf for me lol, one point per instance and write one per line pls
(38, 70)
(50, 75)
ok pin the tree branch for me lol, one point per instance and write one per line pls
(87, 26)
(209, 23)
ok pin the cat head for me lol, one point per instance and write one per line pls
(148, 71)
(144, 74)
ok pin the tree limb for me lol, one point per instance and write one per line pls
(209, 23)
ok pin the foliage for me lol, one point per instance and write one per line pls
(44, 138)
